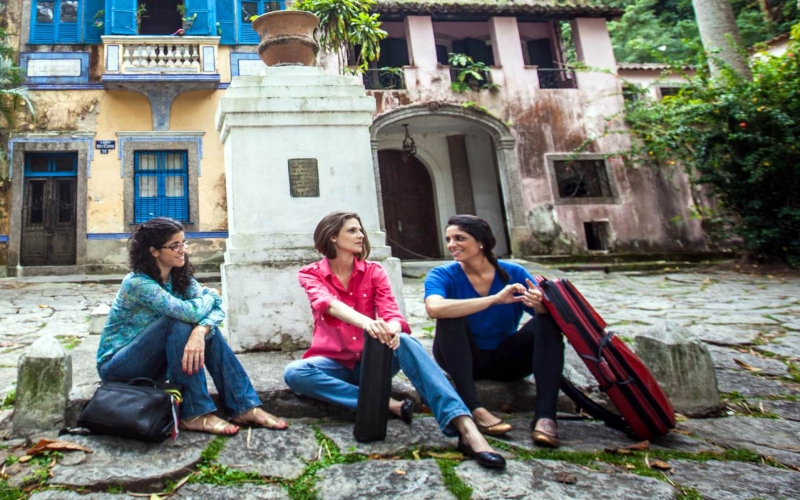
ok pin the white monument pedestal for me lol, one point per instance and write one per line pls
(297, 147)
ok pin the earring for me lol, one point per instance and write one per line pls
(481, 247)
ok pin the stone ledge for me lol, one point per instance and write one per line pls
(266, 372)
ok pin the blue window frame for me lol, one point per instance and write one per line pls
(161, 185)
(55, 21)
(248, 9)
(51, 164)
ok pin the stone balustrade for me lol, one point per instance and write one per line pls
(160, 54)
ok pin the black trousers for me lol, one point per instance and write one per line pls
(538, 348)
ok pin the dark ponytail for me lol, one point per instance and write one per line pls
(481, 231)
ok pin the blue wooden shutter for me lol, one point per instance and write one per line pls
(246, 32)
(174, 202)
(91, 33)
(43, 32)
(226, 18)
(68, 15)
(160, 198)
(123, 17)
(204, 23)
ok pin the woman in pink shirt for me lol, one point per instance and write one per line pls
(348, 296)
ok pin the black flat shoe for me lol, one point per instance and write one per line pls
(486, 459)
(407, 411)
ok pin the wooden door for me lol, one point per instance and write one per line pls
(49, 222)
(408, 206)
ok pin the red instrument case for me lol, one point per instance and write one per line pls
(641, 402)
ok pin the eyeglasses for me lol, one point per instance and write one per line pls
(178, 246)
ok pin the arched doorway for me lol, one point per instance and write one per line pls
(408, 206)
(472, 162)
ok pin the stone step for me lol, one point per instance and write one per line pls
(266, 373)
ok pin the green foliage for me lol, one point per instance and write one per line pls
(304, 487)
(666, 30)
(210, 472)
(741, 138)
(346, 25)
(9, 493)
(9, 400)
(652, 30)
(12, 94)
(457, 487)
(97, 19)
(69, 342)
(471, 75)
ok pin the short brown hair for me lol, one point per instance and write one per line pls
(329, 226)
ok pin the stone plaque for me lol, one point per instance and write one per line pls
(251, 67)
(54, 67)
(303, 178)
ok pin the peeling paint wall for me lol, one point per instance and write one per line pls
(652, 212)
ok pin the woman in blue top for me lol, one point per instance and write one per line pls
(477, 302)
(163, 325)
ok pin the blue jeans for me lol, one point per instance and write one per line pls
(322, 378)
(157, 352)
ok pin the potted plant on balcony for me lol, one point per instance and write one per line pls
(344, 26)
(468, 74)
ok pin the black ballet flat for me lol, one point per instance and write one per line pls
(407, 411)
(486, 459)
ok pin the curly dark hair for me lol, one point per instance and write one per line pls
(481, 231)
(154, 233)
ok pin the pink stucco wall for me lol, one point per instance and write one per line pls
(557, 121)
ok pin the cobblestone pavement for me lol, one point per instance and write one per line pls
(751, 326)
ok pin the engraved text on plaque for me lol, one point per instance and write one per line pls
(303, 178)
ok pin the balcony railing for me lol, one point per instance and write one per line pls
(384, 79)
(556, 78)
(160, 54)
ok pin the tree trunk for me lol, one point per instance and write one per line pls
(764, 6)
(718, 31)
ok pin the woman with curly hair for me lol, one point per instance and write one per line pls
(163, 325)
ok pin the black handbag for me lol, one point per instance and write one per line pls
(138, 409)
(374, 390)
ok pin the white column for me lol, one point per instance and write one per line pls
(290, 113)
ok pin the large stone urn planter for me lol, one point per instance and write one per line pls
(287, 38)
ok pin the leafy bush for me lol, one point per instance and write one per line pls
(470, 75)
(741, 137)
(347, 24)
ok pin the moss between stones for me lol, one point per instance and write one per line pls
(457, 487)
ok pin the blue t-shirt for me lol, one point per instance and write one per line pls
(494, 324)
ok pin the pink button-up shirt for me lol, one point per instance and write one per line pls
(368, 292)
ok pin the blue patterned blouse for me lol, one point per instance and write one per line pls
(141, 300)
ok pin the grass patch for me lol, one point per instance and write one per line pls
(688, 493)
(9, 493)
(305, 487)
(209, 472)
(794, 371)
(9, 400)
(457, 487)
(69, 342)
(633, 462)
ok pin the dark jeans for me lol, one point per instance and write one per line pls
(156, 353)
(538, 348)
